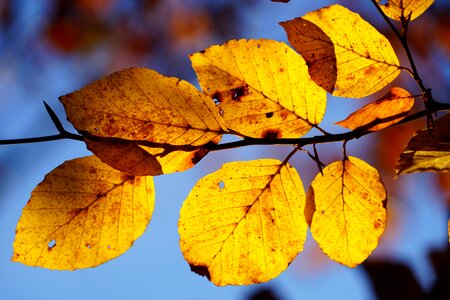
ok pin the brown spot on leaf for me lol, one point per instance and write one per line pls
(377, 224)
(239, 92)
(217, 97)
(271, 134)
(370, 70)
(201, 270)
(269, 115)
(281, 70)
(384, 203)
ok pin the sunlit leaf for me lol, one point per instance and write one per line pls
(396, 9)
(262, 86)
(390, 109)
(350, 210)
(244, 223)
(138, 105)
(83, 214)
(347, 56)
(427, 151)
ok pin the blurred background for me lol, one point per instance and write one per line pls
(49, 48)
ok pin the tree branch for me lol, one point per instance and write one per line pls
(403, 38)
(298, 142)
(63, 134)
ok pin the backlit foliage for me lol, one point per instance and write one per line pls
(246, 222)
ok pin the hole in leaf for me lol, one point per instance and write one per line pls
(217, 98)
(109, 247)
(221, 185)
(96, 129)
(88, 245)
(221, 111)
(269, 115)
(51, 244)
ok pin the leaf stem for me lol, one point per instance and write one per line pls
(403, 38)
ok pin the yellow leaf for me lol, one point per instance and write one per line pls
(427, 151)
(81, 215)
(390, 109)
(350, 210)
(347, 56)
(395, 9)
(244, 223)
(141, 105)
(262, 86)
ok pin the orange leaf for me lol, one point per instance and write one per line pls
(125, 156)
(350, 210)
(262, 86)
(244, 223)
(390, 109)
(346, 55)
(81, 215)
(140, 105)
(396, 9)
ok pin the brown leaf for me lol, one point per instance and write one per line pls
(125, 156)
(427, 151)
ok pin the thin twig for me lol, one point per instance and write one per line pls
(63, 134)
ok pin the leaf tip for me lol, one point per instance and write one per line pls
(201, 270)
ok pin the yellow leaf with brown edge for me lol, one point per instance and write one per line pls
(427, 151)
(389, 110)
(350, 210)
(398, 9)
(346, 55)
(138, 105)
(262, 87)
(81, 215)
(244, 223)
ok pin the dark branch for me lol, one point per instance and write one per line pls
(298, 142)
(402, 37)
(63, 134)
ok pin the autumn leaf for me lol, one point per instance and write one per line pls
(244, 223)
(396, 9)
(262, 87)
(139, 160)
(427, 151)
(346, 55)
(81, 215)
(125, 156)
(390, 109)
(350, 210)
(141, 106)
